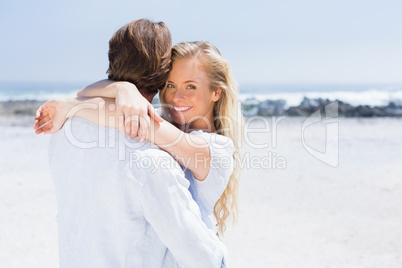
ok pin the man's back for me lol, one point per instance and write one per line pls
(122, 203)
(101, 222)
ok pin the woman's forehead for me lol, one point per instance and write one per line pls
(187, 69)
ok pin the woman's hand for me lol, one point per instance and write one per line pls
(50, 116)
(134, 113)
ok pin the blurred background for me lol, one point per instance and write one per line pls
(290, 58)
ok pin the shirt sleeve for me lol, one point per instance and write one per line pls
(169, 208)
(210, 190)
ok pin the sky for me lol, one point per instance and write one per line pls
(267, 42)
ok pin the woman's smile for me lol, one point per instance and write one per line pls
(181, 109)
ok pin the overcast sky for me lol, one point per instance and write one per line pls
(283, 41)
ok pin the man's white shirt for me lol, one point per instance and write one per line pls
(123, 203)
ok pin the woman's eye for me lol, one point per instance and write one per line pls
(191, 87)
(170, 86)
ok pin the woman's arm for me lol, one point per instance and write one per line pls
(190, 151)
(50, 116)
(105, 88)
(134, 110)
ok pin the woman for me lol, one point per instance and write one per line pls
(200, 99)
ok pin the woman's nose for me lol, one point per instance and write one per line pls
(178, 95)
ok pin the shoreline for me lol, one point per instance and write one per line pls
(19, 108)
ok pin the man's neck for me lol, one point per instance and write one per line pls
(149, 97)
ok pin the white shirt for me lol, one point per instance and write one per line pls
(115, 209)
(207, 192)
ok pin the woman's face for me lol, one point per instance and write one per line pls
(189, 99)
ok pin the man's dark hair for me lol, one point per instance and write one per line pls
(139, 52)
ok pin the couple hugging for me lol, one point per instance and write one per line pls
(116, 206)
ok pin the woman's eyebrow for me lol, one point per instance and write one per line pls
(188, 81)
(191, 81)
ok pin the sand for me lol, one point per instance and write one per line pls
(298, 212)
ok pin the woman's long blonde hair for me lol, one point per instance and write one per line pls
(227, 116)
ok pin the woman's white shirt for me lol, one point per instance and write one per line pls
(207, 192)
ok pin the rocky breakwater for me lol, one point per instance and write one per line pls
(250, 107)
(19, 108)
(253, 107)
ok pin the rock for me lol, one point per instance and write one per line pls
(394, 109)
(308, 106)
(308, 103)
(364, 111)
(272, 108)
(345, 109)
(251, 102)
(394, 112)
(295, 111)
(19, 108)
(367, 111)
(250, 107)
(392, 105)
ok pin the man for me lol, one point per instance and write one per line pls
(116, 206)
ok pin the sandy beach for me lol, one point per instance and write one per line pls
(295, 210)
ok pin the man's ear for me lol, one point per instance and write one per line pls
(217, 94)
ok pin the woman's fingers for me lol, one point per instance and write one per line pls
(127, 127)
(39, 131)
(40, 110)
(45, 129)
(130, 120)
(48, 127)
(42, 119)
(120, 117)
(136, 121)
(40, 113)
(153, 114)
(145, 122)
(44, 124)
(134, 125)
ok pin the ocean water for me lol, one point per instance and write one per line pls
(37, 91)
(358, 94)
(293, 94)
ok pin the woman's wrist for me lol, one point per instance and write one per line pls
(78, 106)
(68, 105)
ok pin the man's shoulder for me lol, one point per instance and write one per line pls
(154, 164)
(151, 157)
(77, 129)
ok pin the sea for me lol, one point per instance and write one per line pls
(292, 94)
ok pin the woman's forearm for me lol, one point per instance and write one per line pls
(188, 150)
(191, 151)
(98, 110)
